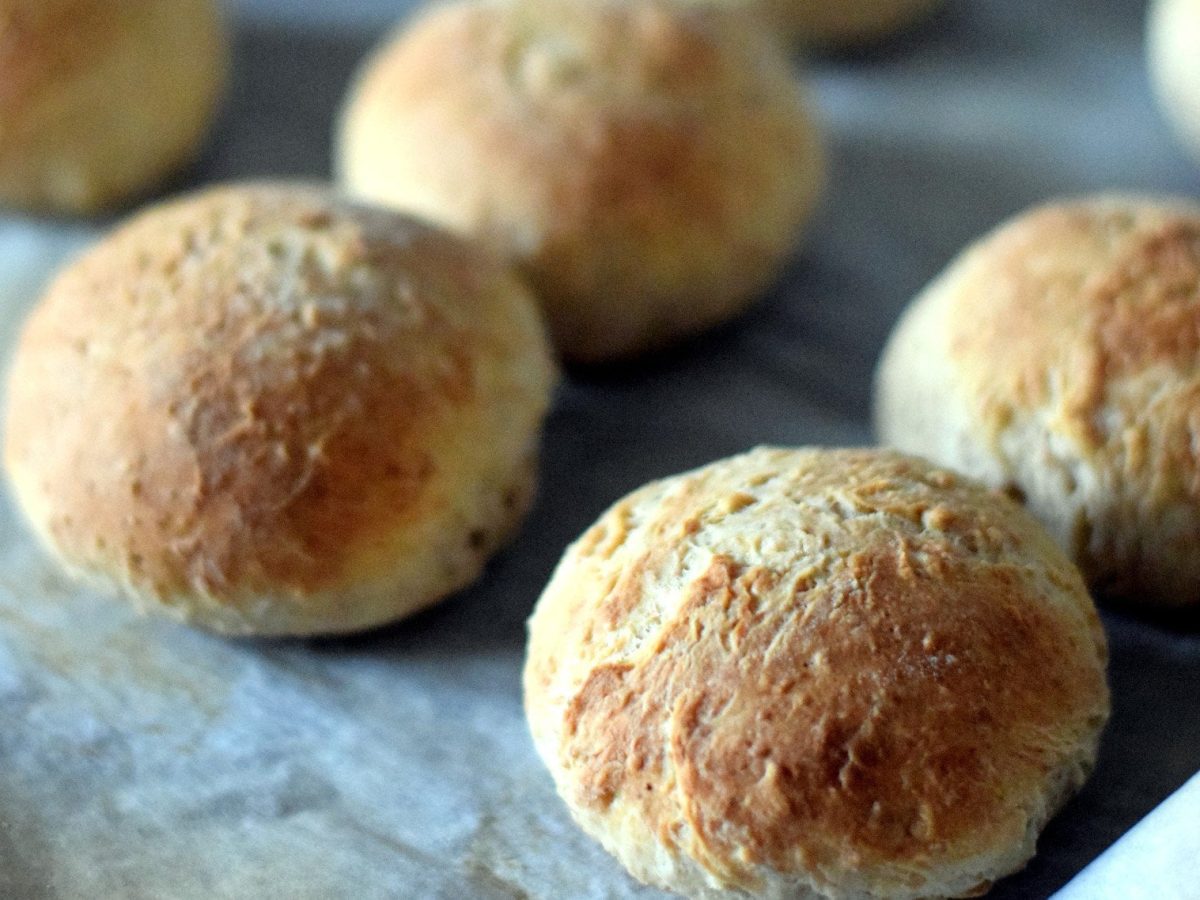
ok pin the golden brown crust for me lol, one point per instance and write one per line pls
(268, 393)
(1108, 290)
(45, 42)
(1070, 339)
(100, 100)
(648, 166)
(816, 673)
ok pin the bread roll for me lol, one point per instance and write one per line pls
(648, 166)
(1174, 54)
(816, 673)
(101, 100)
(267, 411)
(1059, 358)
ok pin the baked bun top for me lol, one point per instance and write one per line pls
(816, 673)
(269, 410)
(99, 100)
(648, 165)
(1061, 354)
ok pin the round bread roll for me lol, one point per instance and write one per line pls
(100, 100)
(1059, 358)
(1174, 53)
(264, 410)
(816, 673)
(648, 166)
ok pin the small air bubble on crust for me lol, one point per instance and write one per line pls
(1013, 492)
(737, 501)
(939, 518)
(942, 479)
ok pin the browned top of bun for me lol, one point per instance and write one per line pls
(841, 666)
(254, 390)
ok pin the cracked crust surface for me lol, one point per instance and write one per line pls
(1173, 50)
(266, 410)
(1059, 357)
(647, 165)
(805, 673)
(100, 100)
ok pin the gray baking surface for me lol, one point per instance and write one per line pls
(143, 760)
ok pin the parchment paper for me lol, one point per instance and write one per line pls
(1155, 859)
(142, 760)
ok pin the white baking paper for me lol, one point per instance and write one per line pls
(1159, 859)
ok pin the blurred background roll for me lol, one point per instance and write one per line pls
(649, 166)
(100, 101)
